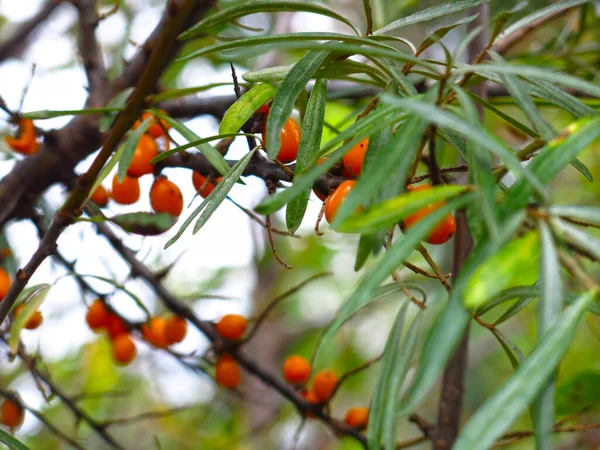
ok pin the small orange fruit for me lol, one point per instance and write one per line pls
(26, 142)
(11, 413)
(202, 187)
(354, 159)
(100, 196)
(296, 370)
(232, 326)
(34, 321)
(145, 151)
(324, 384)
(443, 230)
(175, 329)
(310, 397)
(227, 372)
(5, 283)
(334, 201)
(97, 315)
(154, 332)
(165, 197)
(123, 348)
(290, 140)
(157, 126)
(127, 192)
(357, 417)
(114, 326)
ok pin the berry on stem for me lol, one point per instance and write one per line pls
(11, 413)
(232, 326)
(227, 372)
(310, 397)
(290, 140)
(123, 348)
(357, 417)
(100, 196)
(154, 332)
(26, 141)
(5, 283)
(354, 159)
(34, 321)
(165, 197)
(324, 384)
(157, 126)
(334, 201)
(97, 315)
(115, 326)
(296, 370)
(145, 151)
(175, 329)
(199, 181)
(127, 192)
(443, 230)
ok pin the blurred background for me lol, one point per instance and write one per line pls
(229, 267)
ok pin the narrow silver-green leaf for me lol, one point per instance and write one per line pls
(32, 298)
(245, 106)
(144, 223)
(51, 114)
(130, 146)
(585, 214)
(310, 143)
(121, 288)
(268, 75)
(515, 356)
(577, 238)
(438, 34)
(11, 442)
(106, 170)
(118, 101)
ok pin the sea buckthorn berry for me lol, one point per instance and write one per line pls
(127, 192)
(354, 159)
(5, 283)
(290, 140)
(202, 187)
(97, 315)
(145, 151)
(324, 384)
(296, 370)
(157, 126)
(26, 141)
(100, 196)
(165, 197)
(232, 326)
(227, 372)
(123, 348)
(357, 417)
(443, 230)
(154, 332)
(175, 329)
(115, 326)
(11, 413)
(310, 397)
(34, 321)
(334, 201)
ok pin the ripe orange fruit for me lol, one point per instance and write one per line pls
(296, 370)
(100, 196)
(199, 181)
(324, 384)
(11, 413)
(334, 201)
(165, 197)
(354, 159)
(127, 192)
(310, 397)
(232, 326)
(443, 230)
(227, 372)
(175, 329)
(290, 140)
(357, 417)
(5, 283)
(154, 332)
(34, 321)
(26, 142)
(97, 315)
(123, 348)
(145, 151)
(155, 129)
(114, 326)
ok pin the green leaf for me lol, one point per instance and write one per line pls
(130, 146)
(245, 106)
(503, 408)
(512, 351)
(506, 295)
(390, 212)
(578, 392)
(106, 170)
(431, 13)
(577, 238)
(256, 6)
(503, 17)
(166, 154)
(118, 101)
(268, 75)
(11, 442)
(527, 20)
(586, 214)
(393, 257)
(438, 34)
(514, 309)
(549, 92)
(51, 114)
(582, 169)
(211, 153)
(182, 92)
(286, 96)
(310, 143)
(144, 223)
(511, 266)
(33, 297)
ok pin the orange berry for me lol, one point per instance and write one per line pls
(5, 283)
(202, 187)
(145, 151)
(11, 413)
(334, 201)
(34, 321)
(97, 315)
(114, 326)
(310, 397)
(26, 142)
(354, 159)
(100, 196)
(227, 372)
(296, 369)
(165, 197)
(154, 332)
(123, 348)
(443, 230)
(175, 329)
(232, 326)
(155, 129)
(357, 417)
(290, 140)
(324, 384)
(127, 192)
